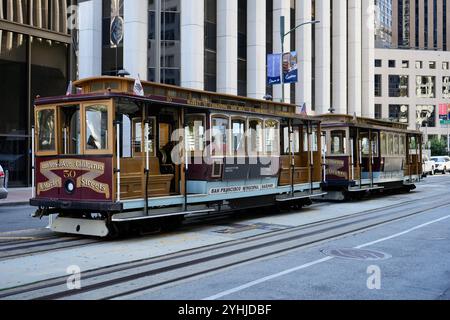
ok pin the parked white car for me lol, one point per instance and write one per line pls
(3, 184)
(442, 164)
(429, 166)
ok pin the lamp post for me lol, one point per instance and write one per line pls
(283, 35)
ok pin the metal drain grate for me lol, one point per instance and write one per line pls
(356, 254)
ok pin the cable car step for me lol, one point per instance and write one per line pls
(156, 213)
(362, 189)
(299, 196)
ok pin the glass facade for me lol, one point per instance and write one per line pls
(398, 86)
(164, 49)
(210, 45)
(112, 55)
(29, 66)
(399, 113)
(242, 48)
(426, 115)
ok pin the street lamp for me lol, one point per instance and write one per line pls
(283, 35)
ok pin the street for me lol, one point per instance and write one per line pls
(391, 247)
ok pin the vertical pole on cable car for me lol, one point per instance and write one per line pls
(291, 152)
(371, 150)
(410, 161)
(352, 152)
(311, 155)
(186, 163)
(33, 165)
(147, 164)
(118, 158)
(360, 158)
(324, 156)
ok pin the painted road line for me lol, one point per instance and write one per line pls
(304, 266)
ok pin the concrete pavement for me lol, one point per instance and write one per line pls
(16, 197)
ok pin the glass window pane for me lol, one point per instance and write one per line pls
(238, 136)
(71, 129)
(272, 136)
(46, 130)
(195, 132)
(338, 142)
(256, 137)
(219, 135)
(97, 127)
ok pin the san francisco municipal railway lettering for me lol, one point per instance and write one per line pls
(94, 170)
(235, 189)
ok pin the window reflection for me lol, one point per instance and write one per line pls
(97, 127)
(46, 130)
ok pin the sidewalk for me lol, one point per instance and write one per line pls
(16, 197)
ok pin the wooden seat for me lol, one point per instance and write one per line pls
(132, 181)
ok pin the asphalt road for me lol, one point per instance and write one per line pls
(18, 218)
(409, 258)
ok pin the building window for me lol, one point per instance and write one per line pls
(419, 64)
(210, 45)
(391, 63)
(378, 85)
(378, 111)
(269, 38)
(405, 64)
(432, 65)
(164, 48)
(446, 87)
(112, 55)
(398, 86)
(426, 115)
(425, 86)
(242, 48)
(445, 65)
(398, 113)
(378, 63)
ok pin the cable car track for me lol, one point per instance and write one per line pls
(250, 249)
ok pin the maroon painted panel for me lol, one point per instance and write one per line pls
(337, 167)
(91, 176)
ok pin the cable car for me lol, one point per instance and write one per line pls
(109, 159)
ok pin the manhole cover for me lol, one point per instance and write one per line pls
(356, 254)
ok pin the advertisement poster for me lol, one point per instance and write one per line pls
(290, 67)
(273, 69)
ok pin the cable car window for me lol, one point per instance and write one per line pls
(238, 136)
(151, 136)
(272, 137)
(195, 132)
(390, 144)
(315, 139)
(338, 142)
(71, 129)
(383, 144)
(137, 136)
(219, 135)
(412, 144)
(97, 127)
(295, 140)
(375, 144)
(402, 145)
(255, 136)
(46, 130)
(365, 144)
(126, 132)
(396, 145)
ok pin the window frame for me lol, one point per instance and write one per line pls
(111, 147)
(55, 151)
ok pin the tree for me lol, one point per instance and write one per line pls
(438, 147)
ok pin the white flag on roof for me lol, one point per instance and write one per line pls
(138, 89)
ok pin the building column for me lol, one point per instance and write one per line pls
(354, 57)
(339, 58)
(192, 44)
(227, 46)
(90, 43)
(303, 89)
(135, 44)
(281, 8)
(256, 48)
(440, 24)
(323, 56)
(368, 58)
